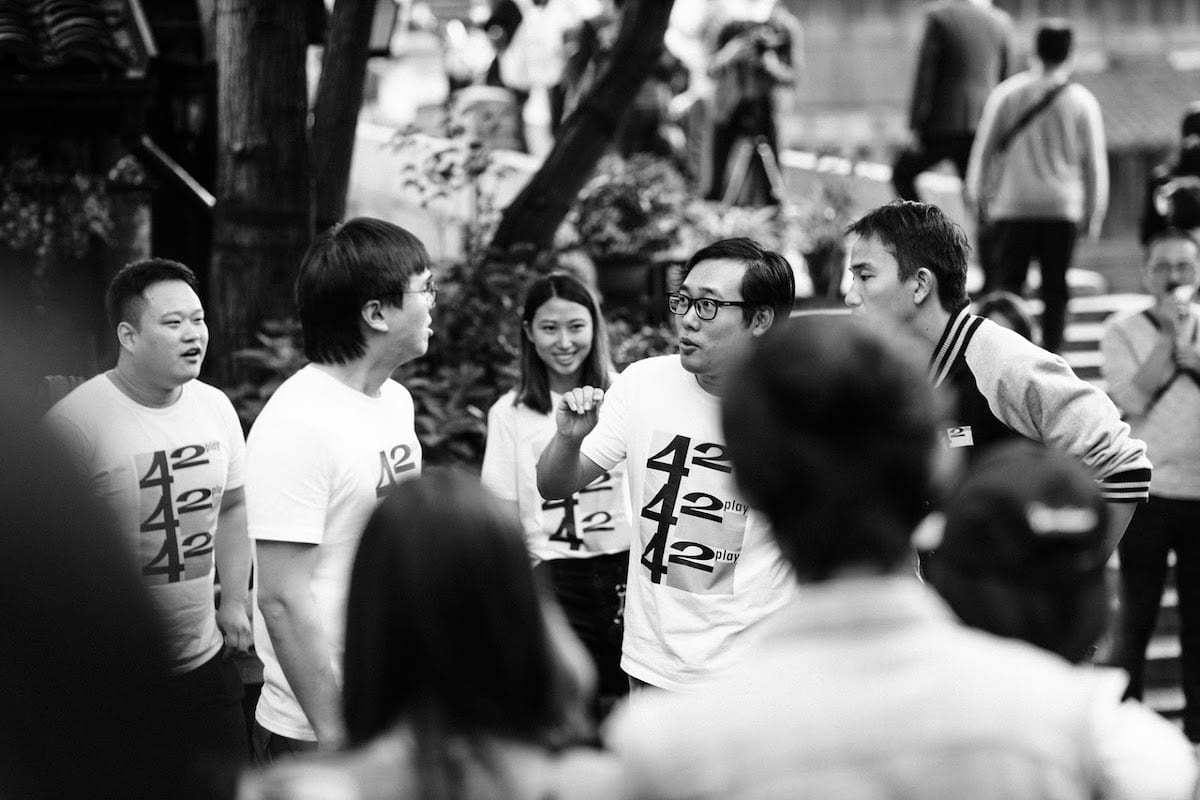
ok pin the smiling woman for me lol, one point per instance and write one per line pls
(580, 543)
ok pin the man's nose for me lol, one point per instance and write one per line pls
(853, 299)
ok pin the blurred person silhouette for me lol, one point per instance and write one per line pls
(85, 710)
(865, 685)
(965, 50)
(580, 543)
(1023, 555)
(1173, 188)
(1007, 310)
(756, 47)
(1039, 174)
(1152, 365)
(645, 126)
(462, 680)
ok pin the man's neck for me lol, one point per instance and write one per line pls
(710, 384)
(362, 375)
(1058, 72)
(141, 391)
(928, 326)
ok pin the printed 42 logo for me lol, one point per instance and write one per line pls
(697, 536)
(178, 504)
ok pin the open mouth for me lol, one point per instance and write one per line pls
(193, 352)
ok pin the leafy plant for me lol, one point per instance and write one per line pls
(629, 209)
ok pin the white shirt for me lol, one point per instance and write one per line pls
(319, 459)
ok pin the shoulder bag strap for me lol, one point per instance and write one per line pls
(1002, 144)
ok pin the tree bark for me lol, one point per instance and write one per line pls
(335, 110)
(263, 214)
(531, 220)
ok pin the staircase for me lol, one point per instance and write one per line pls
(1086, 316)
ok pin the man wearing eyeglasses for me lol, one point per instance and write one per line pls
(705, 570)
(329, 444)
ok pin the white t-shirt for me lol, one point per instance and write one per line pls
(705, 570)
(164, 472)
(320, 457)
(590, 522)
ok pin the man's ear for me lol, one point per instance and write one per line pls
(125, 334)
(925, 285)
(372, 314)
(764, 317)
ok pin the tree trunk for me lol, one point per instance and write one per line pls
(533, 217)
(335, 111)
(263, 215)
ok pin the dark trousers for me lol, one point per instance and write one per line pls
(933, 149)
(211, 725)
(591, 592)
(1157, 528)
(1051, 242)
(270, 747)
(750, 120)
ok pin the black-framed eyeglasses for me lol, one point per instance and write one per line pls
(706, 307)
(429, 291)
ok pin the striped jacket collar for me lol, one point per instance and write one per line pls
(954, 340)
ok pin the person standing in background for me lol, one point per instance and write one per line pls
(966, 49)
(1152, 365)
(1039, 174)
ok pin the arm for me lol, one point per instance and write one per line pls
(562, 470)
(1095, 171)
(927, 63)
(233, 566)
(1037, 395)
(290, 615)
(1133, 383)
(982, 155)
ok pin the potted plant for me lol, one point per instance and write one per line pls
(629, 214)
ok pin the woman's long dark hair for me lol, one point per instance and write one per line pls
(445, 629)
(533, 389)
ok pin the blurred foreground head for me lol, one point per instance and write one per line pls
(446, 630)
(1023, 553)
(832, 435)
(82, 709)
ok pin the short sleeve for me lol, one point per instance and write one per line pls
(499, 474)
(287, 482)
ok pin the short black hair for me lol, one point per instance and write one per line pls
(1053, 41)
(769, 279)
(1171, 234)
(124, 300)
(920, 235)
(832, 433)
(347, 265)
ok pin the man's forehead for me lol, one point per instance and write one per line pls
(1174, 251)
(869, 251)
(714, 276)
(170, 295)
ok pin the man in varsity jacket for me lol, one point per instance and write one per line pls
(909, 266)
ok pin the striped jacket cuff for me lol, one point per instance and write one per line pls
(1130, 486)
